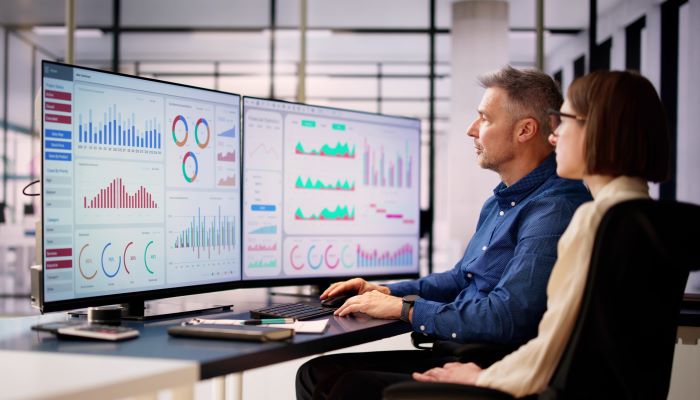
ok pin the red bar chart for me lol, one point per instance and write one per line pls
(116, 196)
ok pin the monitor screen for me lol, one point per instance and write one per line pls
(140, 186)
(328, 193)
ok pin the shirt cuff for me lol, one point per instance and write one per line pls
(398, 289)
(424, 312)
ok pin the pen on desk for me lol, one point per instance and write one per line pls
(269, 321)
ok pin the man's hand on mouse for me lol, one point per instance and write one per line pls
(355, 285)
(375, 304)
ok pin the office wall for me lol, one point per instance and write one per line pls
(689, 104)
(22, 149)
(612, 24)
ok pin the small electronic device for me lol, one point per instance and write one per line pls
(239, 332)
(85, 330)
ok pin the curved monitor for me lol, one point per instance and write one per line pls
(141, 195)
(328, 194)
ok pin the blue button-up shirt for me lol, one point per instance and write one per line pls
(497, 291)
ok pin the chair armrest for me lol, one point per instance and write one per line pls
(483, 354)
(441, 391)
(422, 342)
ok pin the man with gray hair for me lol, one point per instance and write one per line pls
(497, 292)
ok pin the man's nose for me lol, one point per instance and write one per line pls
(473, 129)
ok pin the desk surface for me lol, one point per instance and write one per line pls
(70, 376)
(214, 357)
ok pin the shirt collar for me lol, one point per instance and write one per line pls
(507, 195)
(623, 184)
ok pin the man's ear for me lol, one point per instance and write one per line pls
(553, 123)
(526, 129)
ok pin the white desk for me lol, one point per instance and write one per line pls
(42, 375)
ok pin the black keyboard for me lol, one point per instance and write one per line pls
(299, 311)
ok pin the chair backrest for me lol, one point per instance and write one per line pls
(623, 341)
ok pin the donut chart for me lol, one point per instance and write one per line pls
(312, 264)
(86, 261)
(201, 121)
(293, 256)
(111, 260)
(146, 258)
(327, 256)
(180, 119)
(192, 176)
(133, 258)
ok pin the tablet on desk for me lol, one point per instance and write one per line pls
(254, 333)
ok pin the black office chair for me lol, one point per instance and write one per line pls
(623, 341)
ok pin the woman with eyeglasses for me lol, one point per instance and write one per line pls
(613, 135)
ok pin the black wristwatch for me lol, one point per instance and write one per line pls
(407, 304)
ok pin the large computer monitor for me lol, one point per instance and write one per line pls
(328, 194)
(141, 195)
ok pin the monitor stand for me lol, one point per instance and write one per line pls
(142, 311)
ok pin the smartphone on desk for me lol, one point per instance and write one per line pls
(82, 329)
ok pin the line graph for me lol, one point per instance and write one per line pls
(318, 184)
(340, 213)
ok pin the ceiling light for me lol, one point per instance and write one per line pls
(62, 31)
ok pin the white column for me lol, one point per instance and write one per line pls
(479, 45)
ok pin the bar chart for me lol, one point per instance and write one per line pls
(111, 192)
(115, 195)
(202, 235)
(122, 123)
(115, 130)
(401, 257)
(378, 170)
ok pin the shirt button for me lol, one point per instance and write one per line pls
(454, 335)
(501, 213)
(512, 204)
(469, 275)
(422, 327)
(484, 248)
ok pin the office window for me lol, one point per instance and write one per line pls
(633, 44)
(580, 66)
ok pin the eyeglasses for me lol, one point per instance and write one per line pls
(560, 114)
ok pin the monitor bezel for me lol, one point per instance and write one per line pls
(143, 295)
(322, 281)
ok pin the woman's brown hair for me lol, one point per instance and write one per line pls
(626, 130)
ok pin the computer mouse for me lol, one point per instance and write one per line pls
(336, 301)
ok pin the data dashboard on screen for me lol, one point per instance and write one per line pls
(328, 192)
(140, 184)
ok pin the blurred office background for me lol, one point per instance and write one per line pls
(416, 58)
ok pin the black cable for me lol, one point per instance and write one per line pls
(24, 190)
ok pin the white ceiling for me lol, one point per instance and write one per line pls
(254, 14)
